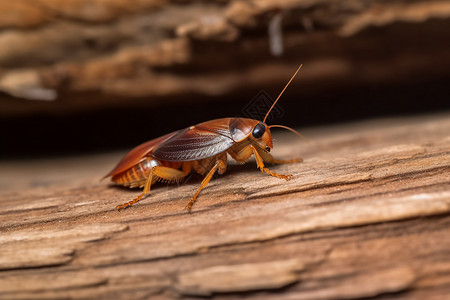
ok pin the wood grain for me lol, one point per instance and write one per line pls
(366, 216)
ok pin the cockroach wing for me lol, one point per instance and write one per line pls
(139, 153)
(192, 144)
(204, 140)
(236, 129)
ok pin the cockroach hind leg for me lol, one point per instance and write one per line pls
(135, 200)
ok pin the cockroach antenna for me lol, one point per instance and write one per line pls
(275, 102)
(293, 76)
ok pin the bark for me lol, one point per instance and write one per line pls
(89, 54)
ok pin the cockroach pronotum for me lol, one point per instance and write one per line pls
(202, 148)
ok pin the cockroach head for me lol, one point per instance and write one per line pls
(262, 137)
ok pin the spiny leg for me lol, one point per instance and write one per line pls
(169, 174)
(148, 184)
(260, 165)
(221, 165)
(128, 204)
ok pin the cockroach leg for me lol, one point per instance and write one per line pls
(147, 186)
(128, 204)
(221, 165)
(260, 165)
(156, 172)
(170, 174)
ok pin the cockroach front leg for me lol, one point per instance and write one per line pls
(260, 164)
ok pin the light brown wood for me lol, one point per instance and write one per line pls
(115, 53)
(367, 215)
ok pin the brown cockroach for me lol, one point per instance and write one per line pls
(202, 148)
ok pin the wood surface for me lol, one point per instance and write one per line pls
(367, 216)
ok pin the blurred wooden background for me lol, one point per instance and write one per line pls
(366, 217)
(89, 66)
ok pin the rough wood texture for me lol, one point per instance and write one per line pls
(367, 215)
(82, 50)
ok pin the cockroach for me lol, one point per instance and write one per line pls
(202, 148)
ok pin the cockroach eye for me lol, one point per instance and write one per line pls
(259, 130)
(267, 148)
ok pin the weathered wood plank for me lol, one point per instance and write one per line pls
(367, 215)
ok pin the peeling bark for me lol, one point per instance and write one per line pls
(159, 50)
